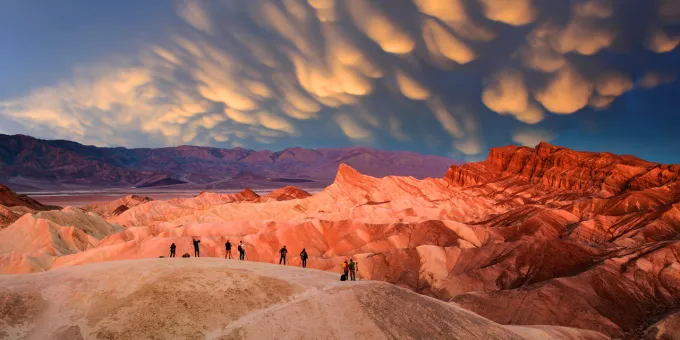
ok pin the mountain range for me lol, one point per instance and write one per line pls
(30, 164)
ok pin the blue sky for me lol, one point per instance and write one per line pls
(452, 77)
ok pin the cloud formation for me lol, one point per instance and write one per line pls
(531, 138)
(235, 73)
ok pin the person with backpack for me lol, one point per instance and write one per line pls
(241, 251)
(227, 246)
(197, 251)
(283, 253)
(172, 250)
(303, 257)
(352, 273)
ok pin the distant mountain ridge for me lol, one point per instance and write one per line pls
(28, 163)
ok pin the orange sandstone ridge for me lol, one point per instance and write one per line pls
(543, 236)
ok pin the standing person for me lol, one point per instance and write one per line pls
(303, 257)
(241, 251)
(352, 268)
(197, 251)
(172, 250)
(345, 269)
(283, 253)
(227, 246)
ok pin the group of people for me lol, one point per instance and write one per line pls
(303, 256)
(349, 268)
(241, 250)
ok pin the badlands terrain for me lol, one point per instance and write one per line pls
(537, 238)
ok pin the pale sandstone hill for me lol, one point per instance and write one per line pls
(118, 206)
(33, 242)
(221, 299)
(529, 236)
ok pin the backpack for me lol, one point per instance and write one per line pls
(240, 249)
(186, 255)
(351, 266)
(343, 277)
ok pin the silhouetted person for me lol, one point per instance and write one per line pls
(352, 270)
(241, 251)
(303, 257)
(345, 269)
(172, 250)
(227, 246)
(197, 251)
(283, 253)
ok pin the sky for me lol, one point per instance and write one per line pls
(445, 77)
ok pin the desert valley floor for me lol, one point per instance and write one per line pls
(565, 244)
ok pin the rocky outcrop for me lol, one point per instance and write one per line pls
(118, 206)
(13, 206)
(9, 198)
(600, 173)
(288, 193)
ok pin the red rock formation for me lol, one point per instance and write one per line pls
(559, 168)
(288, 193)
(9, 198)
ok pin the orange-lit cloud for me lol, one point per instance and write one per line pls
(585, 33)
(351, 128)
(660, 42)
(512, 12)
(380, 28)
(653, 79)
(539, 54)
(410, 87)
(507, 93)
(443, 44)
(601, 102)
(613, 84)
(566, 93)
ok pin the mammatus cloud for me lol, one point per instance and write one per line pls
(567, 92)
(507, 94)
(351, 128)
(660, 42)
(653, 79)
(512, 12)
(532, 138)
(234, 73)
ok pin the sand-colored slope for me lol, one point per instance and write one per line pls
(222, 299)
